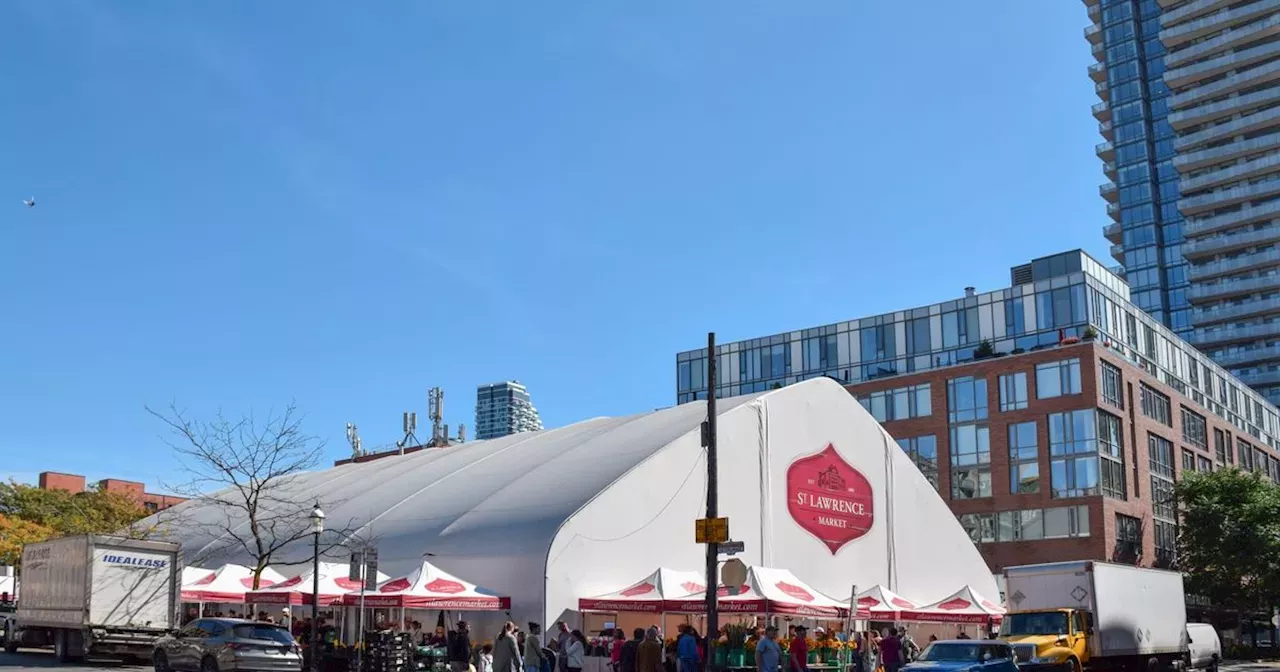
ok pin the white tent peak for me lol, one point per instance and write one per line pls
(963, 606)
(430, 587)
(882, 601)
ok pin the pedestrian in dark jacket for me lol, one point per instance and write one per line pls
(459, 648)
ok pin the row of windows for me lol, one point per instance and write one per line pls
(1156, 406)
(1059, 522)
(900, 403)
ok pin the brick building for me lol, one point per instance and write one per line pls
(52, 480)
(1054, 415)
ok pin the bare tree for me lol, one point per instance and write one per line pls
(244, 470)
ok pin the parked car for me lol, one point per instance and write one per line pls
(228, 645)
(965, 655)
(1205, 649)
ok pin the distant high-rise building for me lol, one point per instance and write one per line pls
(504, 408)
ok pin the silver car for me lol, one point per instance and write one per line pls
(228, 645)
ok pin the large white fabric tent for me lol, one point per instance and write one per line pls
(228, 584)
(808, 479)
(963, 606)
(647, 595)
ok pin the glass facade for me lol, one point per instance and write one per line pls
(504, 408)
(1050, 299)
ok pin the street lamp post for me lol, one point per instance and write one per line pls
(317, 527)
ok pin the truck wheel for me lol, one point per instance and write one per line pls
(208, 664)
(60, 651)
(11, 646)
(161, 661)
(1075, 664)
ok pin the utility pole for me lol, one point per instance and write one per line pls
(713, 547)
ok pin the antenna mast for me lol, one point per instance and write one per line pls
(435, 410)
(353, 438)
(410, 421)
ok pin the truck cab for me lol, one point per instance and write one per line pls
(1050, 639)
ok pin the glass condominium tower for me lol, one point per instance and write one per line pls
(1190, 117)
(504, 408)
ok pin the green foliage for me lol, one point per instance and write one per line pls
(1229, 538)
(15, 533)
(32, 514)
(984, 349)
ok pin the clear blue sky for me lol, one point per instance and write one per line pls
(244, 203)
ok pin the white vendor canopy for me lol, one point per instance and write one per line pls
(808, 479)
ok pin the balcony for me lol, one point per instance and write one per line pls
(1230, 313)
(1194, 205)
(1266, 164)
(1208, 112)
(1105, 150)
(1203, 293)
(1190, 161)
(1095, 12)
(1105, 130)
(1109, 192)
(1113, 210)
(1109, 169)
(1236, 36)
(1117, 253)
(1191, 10)
(1174, 36)
(1270, 377)
(1101, 111)
(1180, 77)
(1203, 225)
(1114, 233)
(1242, 80)
(1230, 129)
(1249, 356)
(1199, 248)
(1103, 91)
(1093, 33)
(1098, 72)
(1099, 52)
(1239, 264)
(1201, 338)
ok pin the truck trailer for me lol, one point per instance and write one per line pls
(96, 596)
(1075, 616)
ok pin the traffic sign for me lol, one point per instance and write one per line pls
(733, 574)
(732, 547)
(711, 530)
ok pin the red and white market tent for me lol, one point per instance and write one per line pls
(883, 604)
(962, 606)
(648, 594)
(192, 574)
(228, 584)
(298, 590)
(429, 588)
(767, 591)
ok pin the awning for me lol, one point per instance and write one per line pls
(298, 590)
(962, 606)
(427, 587)
(882, 604)
(767, 590)
(648, 594)
(227, 584)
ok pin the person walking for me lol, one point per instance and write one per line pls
(891, 651)
(562, 645)
(575, 651)
(768, 653)
(687, 650)
(615, 649)
(506, 653)
(799, 654)
(533, 649)
(459, 648)
(627, 661)
(649, 653)
(910, 650)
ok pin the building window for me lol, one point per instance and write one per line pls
(1160, 453)
(980, 526)
(967, 399)
(902, 403)
(1244, 455)
(1128, 539)
(1156, 406)
(1073, 451)
(1260, 460)
(1188, 460)
(1220, 451)
(970, 462)
(1111, 450)
(1204, 464)
(1112, 388)
(1166, 534)
(1032, 524)
(1024, 462)
(1056, 379)
(1194, 429)
(1013, 391)
(923, 450)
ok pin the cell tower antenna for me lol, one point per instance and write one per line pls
(353, 438)
(435, 410)
(410, 421)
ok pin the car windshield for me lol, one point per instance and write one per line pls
(274, 633)
(950, 651)
(1040, 623)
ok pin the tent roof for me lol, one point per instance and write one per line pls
(647, 594)
(768, 589)
(883, 603)
(427, 587)
(963, 606)
(228, 584)
(297, 590)
(192, 574)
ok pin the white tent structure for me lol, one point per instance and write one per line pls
(228, 584)
(334, 583)
(647, 595)
(430, 588)
(9, 584)
(883, 604)
(190, 575)
(963, 606)
(768, 590)
(808, 480)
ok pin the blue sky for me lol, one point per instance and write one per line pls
(241, 204)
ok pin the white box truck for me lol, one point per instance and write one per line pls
(96, 595)
(1069, 616)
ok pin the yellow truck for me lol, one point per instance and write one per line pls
(1097, 616)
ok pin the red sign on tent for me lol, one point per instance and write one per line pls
(830, 499)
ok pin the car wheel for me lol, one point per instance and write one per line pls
(160, 661)
(208, 664)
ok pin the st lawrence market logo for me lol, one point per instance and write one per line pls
(829, 499)
(134, 561)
